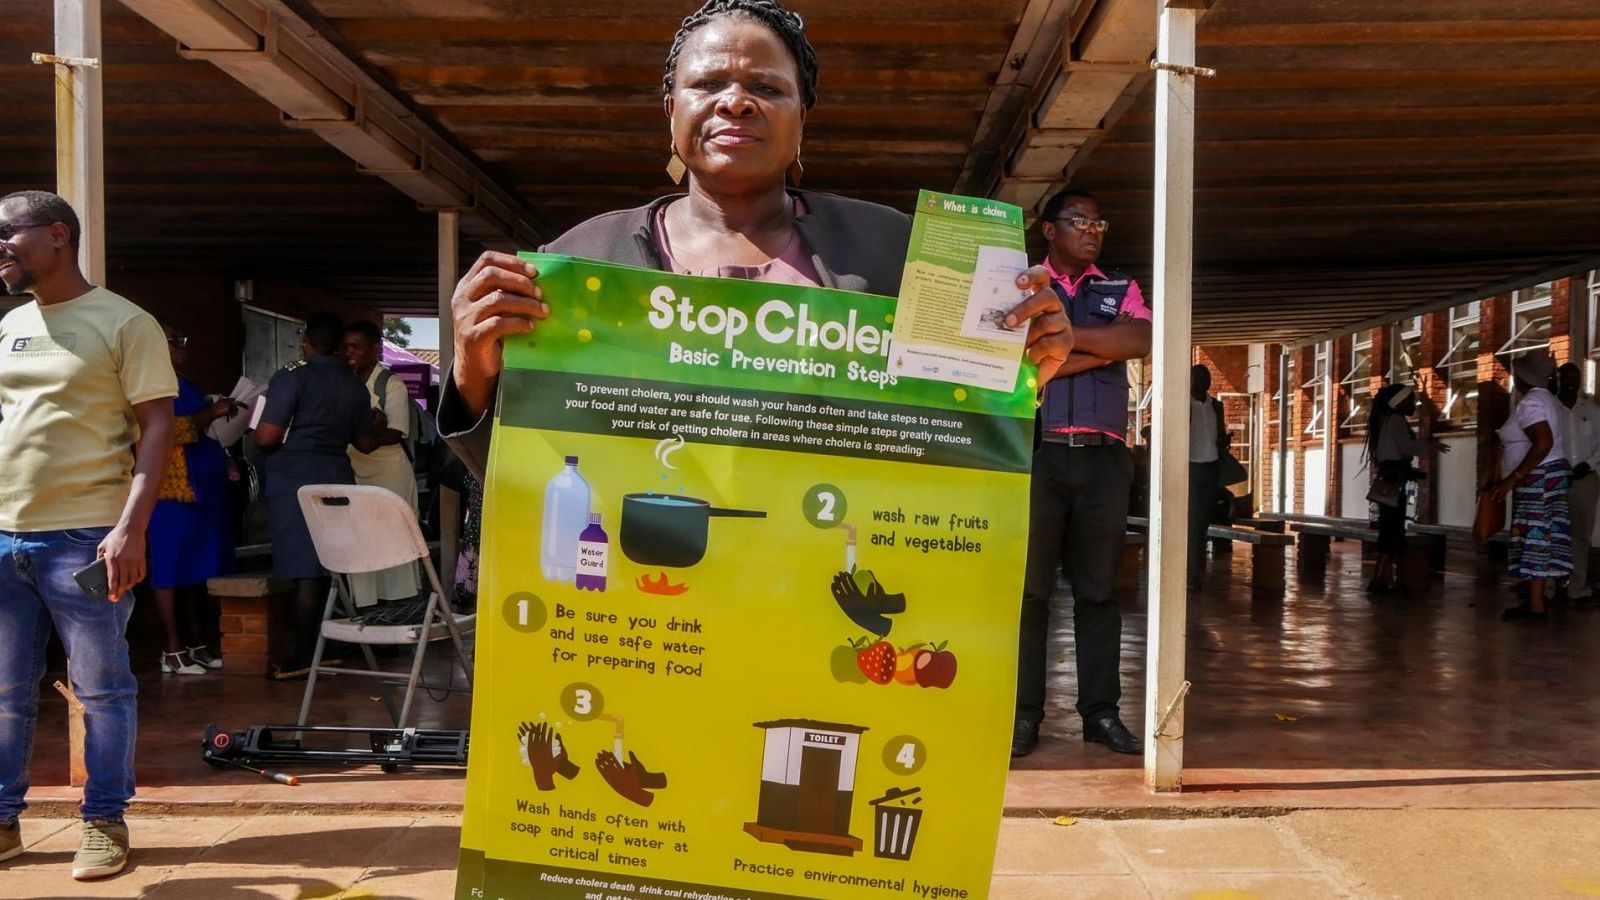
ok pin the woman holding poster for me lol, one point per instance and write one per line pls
(740, 77)
(707, 439)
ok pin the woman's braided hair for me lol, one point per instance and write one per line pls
(788, 26)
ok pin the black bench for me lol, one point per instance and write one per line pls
(1415, 565)
(1266, 563)
(1498, 545)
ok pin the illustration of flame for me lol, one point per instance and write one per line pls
(662, 586)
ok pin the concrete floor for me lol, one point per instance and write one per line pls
(1414, 854)
(1324, 699)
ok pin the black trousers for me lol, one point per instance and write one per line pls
(1203, 479)
(1077, 522)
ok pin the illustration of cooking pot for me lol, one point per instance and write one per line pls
(670, 530)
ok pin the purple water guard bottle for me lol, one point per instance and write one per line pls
(593, 547)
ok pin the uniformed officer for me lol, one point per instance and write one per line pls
(315, 408)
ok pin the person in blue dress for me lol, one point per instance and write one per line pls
(191, 530)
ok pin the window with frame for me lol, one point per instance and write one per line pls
(1277, 398)
(1407, 352)
(1531, 321)
(1138, 400)
(1318, 386)
(1359, 381)
(1594, 313)
(1460, 365)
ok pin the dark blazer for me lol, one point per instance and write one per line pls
(855, 246)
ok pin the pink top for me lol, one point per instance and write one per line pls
(792, 266)
(1133, 305)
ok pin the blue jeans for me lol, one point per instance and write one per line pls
(37, 590)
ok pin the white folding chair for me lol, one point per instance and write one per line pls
(357, 529)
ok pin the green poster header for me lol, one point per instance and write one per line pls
(956, 206)
(730, 333)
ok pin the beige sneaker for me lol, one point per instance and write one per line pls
(104, 850)
(10, 841)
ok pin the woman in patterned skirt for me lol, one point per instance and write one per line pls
(1537, 478)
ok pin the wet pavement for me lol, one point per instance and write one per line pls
(1323, 698)
(1329, 697)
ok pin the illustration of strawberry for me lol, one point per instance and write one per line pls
(877, 662)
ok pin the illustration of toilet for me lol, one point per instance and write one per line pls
(808, 773)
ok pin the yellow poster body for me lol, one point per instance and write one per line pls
(748, 602)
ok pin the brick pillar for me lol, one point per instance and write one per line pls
(1494, 404)
(1339, 365)
(1304, 403)
(1564, 345)
(1267, 453)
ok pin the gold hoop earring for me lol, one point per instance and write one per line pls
(675, 167)
(796, 171)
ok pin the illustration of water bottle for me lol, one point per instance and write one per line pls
(566, 512)
(593, 547)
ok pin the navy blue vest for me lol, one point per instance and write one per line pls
(1098, 398)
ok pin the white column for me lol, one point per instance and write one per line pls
(80, 135)
(1169, 470)
(449, 265)
(1330, 434)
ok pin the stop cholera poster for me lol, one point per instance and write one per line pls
(748, 604)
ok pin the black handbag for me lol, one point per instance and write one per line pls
(1389, 488)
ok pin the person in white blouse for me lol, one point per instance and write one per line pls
(1537, 478)
(1583, 452)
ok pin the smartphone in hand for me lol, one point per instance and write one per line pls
(94, 580)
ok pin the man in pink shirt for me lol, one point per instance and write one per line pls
(1082, 475)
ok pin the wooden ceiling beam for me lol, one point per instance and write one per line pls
(824, 33)
(1316, 79)
(1315, 114)
(603, 76)
(1346, 34)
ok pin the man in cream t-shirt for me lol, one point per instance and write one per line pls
(389, 466)
(86, 390)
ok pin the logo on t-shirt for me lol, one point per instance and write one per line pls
(44, 345)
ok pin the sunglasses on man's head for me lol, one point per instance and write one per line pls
(178, 341)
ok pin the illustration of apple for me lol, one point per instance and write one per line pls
(905, 663)
(877, 662)
(843, 662)
(936, 668)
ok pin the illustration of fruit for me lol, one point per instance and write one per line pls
(843, 662)
(936, 668)
(877, 662)
(905, 664)
(864, 579)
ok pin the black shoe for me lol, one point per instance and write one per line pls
(1024, 738)
(1110, 731)
(1523, 612)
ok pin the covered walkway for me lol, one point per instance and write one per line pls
(267, 158)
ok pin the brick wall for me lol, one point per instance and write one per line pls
(1565, 347)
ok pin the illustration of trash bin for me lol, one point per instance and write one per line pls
(896, 823)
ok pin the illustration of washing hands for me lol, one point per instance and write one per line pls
(546, 755)
(544, 752)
